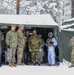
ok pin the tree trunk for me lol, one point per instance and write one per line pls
(17, 6)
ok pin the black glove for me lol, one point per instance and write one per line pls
(51, 42)
(8, 46)
(17, 46)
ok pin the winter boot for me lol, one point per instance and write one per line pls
(10, 64)
(13, 64)
(71, 66)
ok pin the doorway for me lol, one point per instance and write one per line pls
(40, 31)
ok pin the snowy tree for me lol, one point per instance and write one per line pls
(64, 11)
(59, 9)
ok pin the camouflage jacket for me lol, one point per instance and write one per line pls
(35, 42)
(11, 38)
(49, 42)
(52, 42)
(71, 42)
(21, 38)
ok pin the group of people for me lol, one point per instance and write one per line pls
(17, 42)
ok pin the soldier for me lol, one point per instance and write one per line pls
(35, 47)
(27, 52)
(42, 51)
(11, 41)
(51, 43)
(21, 45)
(42, 54)
(71, 43)
(1, 39)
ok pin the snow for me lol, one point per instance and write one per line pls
(28, 19)
(66, 26)
(65, 63)
(53, 4)
(59, 9)
(64, 11)
(36, 70)
(69, 20)
(44, 69)
(70, 29)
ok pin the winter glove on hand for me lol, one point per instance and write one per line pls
(8, 46)
(40, 50)
(30, 50)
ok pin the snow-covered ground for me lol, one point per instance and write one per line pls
(44, 69)
(36, 70)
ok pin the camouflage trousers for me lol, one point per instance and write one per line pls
(35, 54)
(72, 56)
(20, 55)
(11, 54)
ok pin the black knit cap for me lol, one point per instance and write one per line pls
(34, 29)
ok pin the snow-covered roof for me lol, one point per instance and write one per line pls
(70, 29)
(72, 19)
(67, 26)
(69, 21)
(28, 19)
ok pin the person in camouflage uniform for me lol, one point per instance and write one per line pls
(1, 39)
(21, 45)
(35, 47)
(11, 41)
(71, 43)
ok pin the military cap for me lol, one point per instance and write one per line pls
(13, 25)
(21, 25)
(50, 33)
(34, 29)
